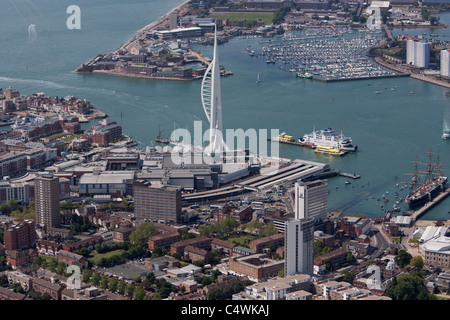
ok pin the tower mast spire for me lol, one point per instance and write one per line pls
(212, 102)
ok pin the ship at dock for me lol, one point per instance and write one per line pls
(323, 141)
(426, 185)
(328, 138)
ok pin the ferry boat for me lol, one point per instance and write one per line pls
(329, 139)
(283, 137)
(329, 150)
(424, 192)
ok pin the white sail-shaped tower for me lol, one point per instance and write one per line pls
(212, 103)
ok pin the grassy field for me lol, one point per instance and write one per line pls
(242, 240)
(95, 259)
(238, 16)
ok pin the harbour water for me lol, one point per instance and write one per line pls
(389, 128)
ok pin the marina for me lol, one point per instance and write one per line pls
(325, 54)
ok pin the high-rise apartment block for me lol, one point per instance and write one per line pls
(311, 207)
(418, 53)
(445, 63)
(157, 201)
(46, 199)
(299, 247)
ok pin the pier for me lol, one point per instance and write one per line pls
(420, 212)
(361, 78)
(388, 32)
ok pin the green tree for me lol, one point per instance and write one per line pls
(142, 233)
(402, 259)
(139, 293)
(269, 230)
(104, 282)
(95, 279)
(157, 252)
(122, 286)
(87, 274)
(417, 262)
(150, 277)
(351, 258)
(156, 296)
(113, 284)
(61, 268)
(129, 290)
(408, 286)
(52, 265)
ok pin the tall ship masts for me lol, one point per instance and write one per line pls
(429, 189)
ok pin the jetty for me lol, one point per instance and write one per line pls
(429, 205)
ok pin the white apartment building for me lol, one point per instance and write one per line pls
(418, 53)
(311, 200)
(445, 63)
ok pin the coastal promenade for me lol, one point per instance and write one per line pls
(142, 32)
(432, 80)
(199, 56)
(406, 72)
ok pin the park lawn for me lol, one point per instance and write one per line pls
(95, 259)
(242, 241)
(238, 16)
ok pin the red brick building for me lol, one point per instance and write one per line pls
(197, 254)
(20, 236)
(20, 258)
(44, 286)
(199, 242)
(275, 241)
(256, 267)
(70, 258)
(104, 133)
(122, 234)
(164, 240)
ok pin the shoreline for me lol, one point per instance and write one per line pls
(150, 26)
(416, 76)
(137, 76)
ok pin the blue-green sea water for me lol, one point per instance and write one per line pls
(390, 128)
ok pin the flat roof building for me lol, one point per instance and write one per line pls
(47, 200)
(157, 201)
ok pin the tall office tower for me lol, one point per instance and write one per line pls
(418, 53)
(46, 200)
(311, 200)
(445, 63)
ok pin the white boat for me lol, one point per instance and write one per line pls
(446, 134)
(328, 138)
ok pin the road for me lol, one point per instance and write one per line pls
(380, 240)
